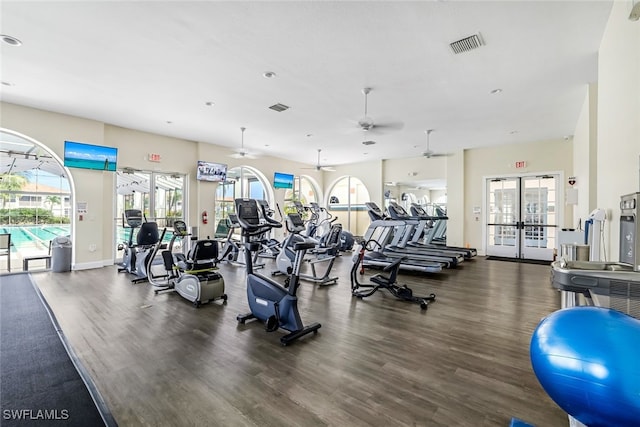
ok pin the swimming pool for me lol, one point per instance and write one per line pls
(34, 237)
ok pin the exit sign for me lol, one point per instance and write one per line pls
(521, 164)
(154, 157)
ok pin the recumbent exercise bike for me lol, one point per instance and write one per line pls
(194, 277)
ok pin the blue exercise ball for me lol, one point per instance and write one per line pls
(588, 360)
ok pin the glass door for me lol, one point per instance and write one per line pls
(503, 210)
(539, 217)
(522, 217)
(160, 197)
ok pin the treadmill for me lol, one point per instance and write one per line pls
(394, 239)
(376, 257)
(418, 211)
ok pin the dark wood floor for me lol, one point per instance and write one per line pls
(158, 361)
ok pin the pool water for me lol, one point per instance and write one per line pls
(35, 236)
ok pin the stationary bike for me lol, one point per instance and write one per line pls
(269, 301)
(380, 281)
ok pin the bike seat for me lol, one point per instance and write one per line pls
(303, 246)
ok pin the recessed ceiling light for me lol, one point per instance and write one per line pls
(368, 142)
(208, 103)
(266, 145)
(7, 84)
(268, 74)
(169, 122)
(10, 40)
(513, 132)
(495, 91)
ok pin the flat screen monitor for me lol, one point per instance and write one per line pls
(282, 180)
(209, 171)
(88, 156)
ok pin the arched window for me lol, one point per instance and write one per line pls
(305, 190)
(35, 194)
(346, 199)
(242, 181)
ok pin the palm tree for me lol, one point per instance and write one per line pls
(9, 184)
(51, 201)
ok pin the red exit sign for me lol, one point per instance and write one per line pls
(521, 164)
(154, 157)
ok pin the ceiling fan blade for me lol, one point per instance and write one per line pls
(430, 154)
(243, 155)
(388, 124)
(328, 168)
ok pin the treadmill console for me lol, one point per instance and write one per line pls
(399, 210)
(374, 209)
(417, 210)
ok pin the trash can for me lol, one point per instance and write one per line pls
(574, 252)
(61, 254)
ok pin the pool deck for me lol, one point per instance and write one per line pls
(17, 263)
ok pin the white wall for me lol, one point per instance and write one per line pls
(544, 157)
(585, 143)
(618, 118)
(457, 207)
(414, 169)
(92, 187)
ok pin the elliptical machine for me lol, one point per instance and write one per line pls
(269, 301)
(132, 218)
(325, 252)
(137, 257)
(380, 281)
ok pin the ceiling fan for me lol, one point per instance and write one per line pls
(320, 167)
(429, 153)
(367, 124)
(243, 153)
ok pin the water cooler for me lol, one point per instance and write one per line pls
(630, 230)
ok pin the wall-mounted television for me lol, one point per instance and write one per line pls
(88, 156)
(209, 171)
(282, 180)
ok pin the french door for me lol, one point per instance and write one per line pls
(522, 216)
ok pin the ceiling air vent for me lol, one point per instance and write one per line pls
(279, 107)
(368, 142)
(466, 44)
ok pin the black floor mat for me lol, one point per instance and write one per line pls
(41, 381)
(522, 260)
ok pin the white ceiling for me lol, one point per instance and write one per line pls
(141, 64)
